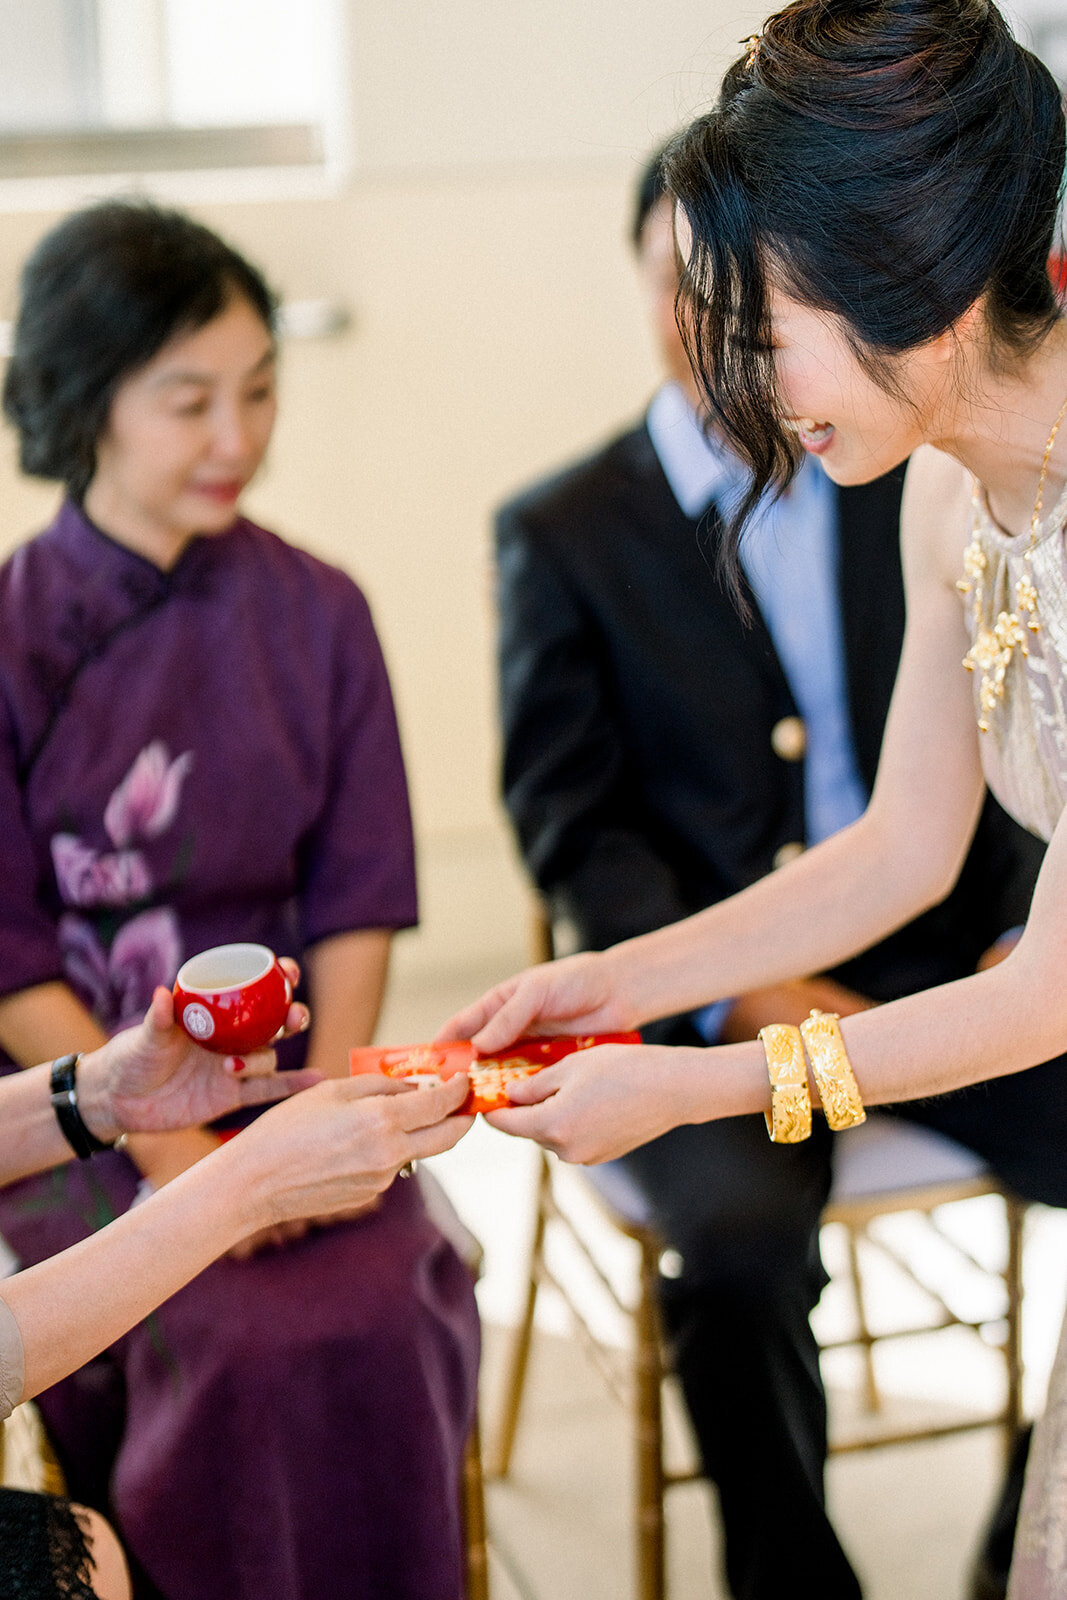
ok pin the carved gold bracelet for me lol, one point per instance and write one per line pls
(838, 1089)
(789, 1119)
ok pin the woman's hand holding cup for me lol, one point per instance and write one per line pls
(153, 1078)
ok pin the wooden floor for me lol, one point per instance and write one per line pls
(910, 1516)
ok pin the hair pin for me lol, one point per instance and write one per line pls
(753, 43)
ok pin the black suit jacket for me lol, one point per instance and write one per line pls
(638, 710)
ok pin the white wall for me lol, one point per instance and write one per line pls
(480, 244)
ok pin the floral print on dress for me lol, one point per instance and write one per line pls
(146, 801)
(88, 877)
(115, 964)
(119, 983)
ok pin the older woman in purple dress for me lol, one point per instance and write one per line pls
(198, 745)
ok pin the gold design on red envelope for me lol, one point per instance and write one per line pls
(489, 1075)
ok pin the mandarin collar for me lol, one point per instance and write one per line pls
(95, 552)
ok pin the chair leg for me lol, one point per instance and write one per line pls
(1015, 1215)
(648, 1428)
(477, 1550)
(542, 939)
(517, 1360)
(872, 1398)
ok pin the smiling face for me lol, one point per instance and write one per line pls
(185, 435)
(830, 401)
(833, 404)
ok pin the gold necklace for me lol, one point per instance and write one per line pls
(995, 643)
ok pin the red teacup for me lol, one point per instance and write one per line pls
(233, 999)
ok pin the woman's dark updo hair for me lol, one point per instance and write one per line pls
(101, 294)
(889, 161)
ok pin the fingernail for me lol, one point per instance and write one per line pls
(305, 1022)
(238, 1064)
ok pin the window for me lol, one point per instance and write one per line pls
(130, 87)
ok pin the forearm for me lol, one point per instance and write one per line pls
(805, 918)
(49, 1020)
(74, 1305)
(33, 1141)
(986, 1026)
(1007, 1017)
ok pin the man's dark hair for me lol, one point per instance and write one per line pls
(651, 187)
(101, 294)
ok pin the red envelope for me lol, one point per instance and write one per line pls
(489, 1074)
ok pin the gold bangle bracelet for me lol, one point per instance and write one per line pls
(832, 1071)
(789, 1119)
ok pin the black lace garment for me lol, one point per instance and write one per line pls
(43, 1549)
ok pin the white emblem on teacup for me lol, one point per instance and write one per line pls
(198, 1021)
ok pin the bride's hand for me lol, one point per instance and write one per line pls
(601, 1103)
(578, 994)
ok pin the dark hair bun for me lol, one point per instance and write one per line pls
(876, 57)
(890, 161)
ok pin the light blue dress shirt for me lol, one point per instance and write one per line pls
(789, 553)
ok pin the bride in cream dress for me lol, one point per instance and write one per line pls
(867, 220)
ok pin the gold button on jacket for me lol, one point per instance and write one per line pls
(789, 739)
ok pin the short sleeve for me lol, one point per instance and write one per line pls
(12, 1362)
(359, 862)
(29, 950)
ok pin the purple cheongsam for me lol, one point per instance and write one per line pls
(188, 758)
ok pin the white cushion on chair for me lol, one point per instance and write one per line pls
(887, 1154)
(620, 1192)
(883, 1155)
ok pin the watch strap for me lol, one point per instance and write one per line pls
(64, 1096)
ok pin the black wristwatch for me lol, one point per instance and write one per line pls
(64, 1088)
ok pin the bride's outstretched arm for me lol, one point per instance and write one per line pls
(600, 1103)
(902, 856)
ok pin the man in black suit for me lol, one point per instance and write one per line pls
(660, 754)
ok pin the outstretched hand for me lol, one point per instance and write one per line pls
(574, 995)
(338, 1147)
(159, 1080)
(601, 1103)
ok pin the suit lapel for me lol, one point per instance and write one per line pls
(870, 590)
(752, 639)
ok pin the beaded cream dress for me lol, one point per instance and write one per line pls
(1016, 599)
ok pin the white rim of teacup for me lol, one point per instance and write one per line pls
(186, 979)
